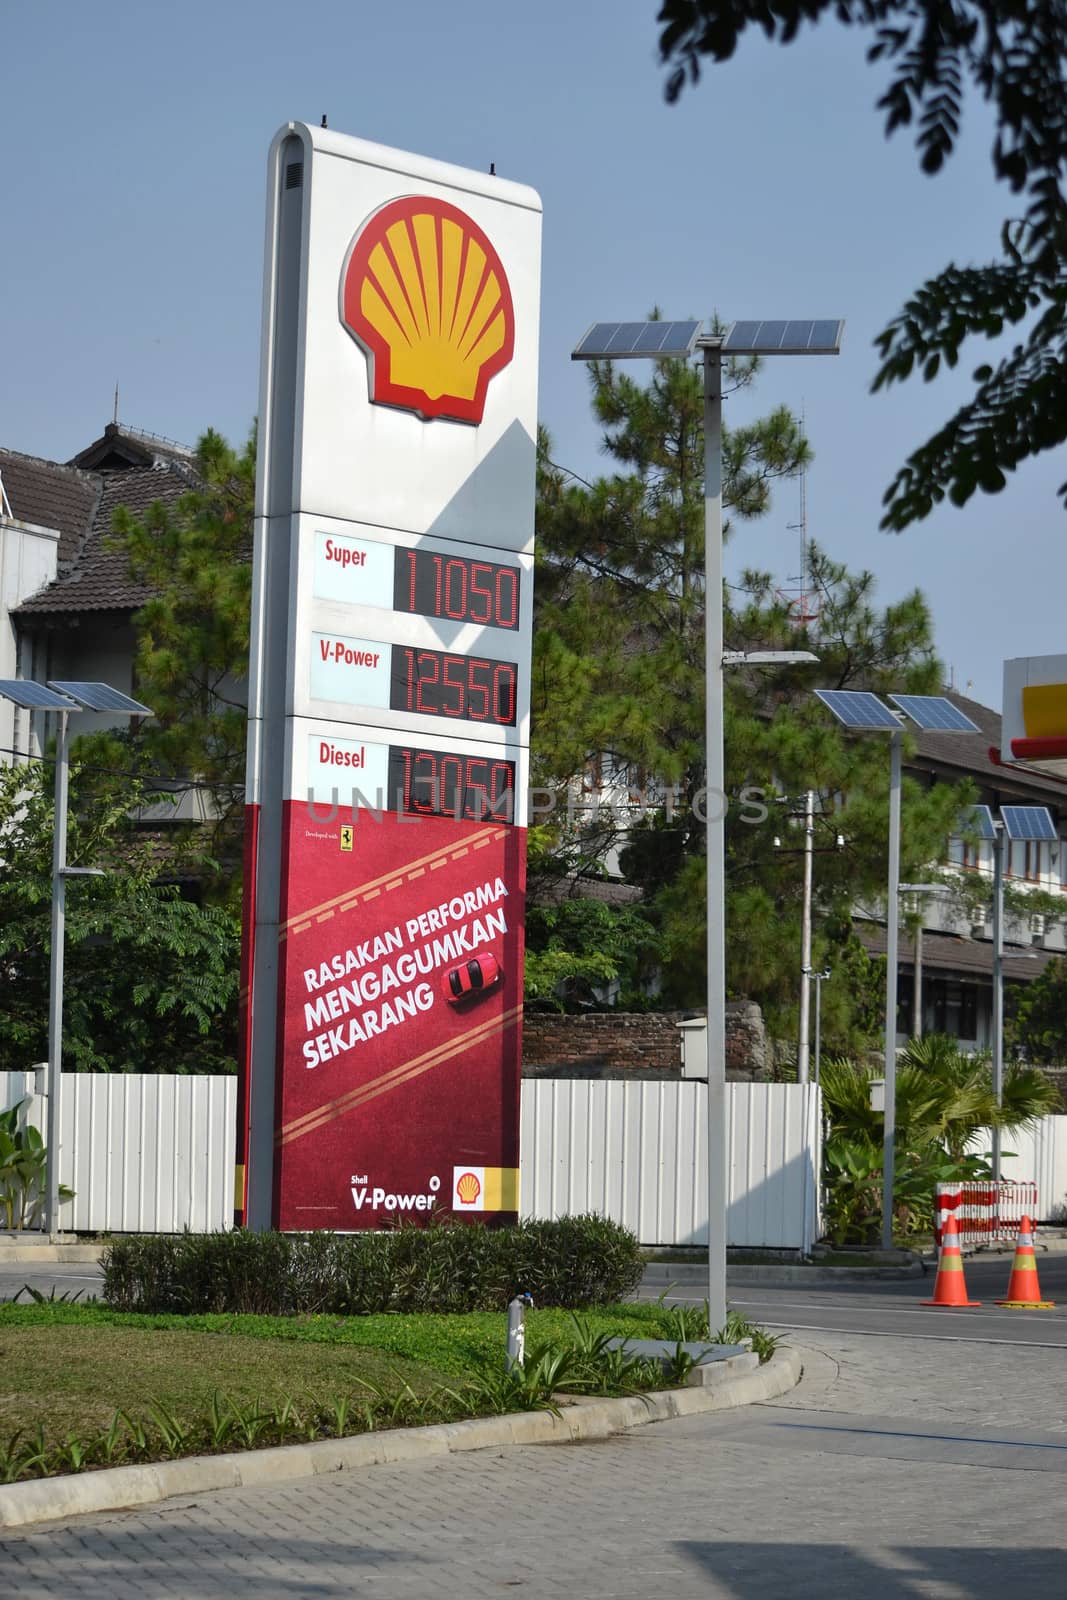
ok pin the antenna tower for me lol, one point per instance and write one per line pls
(801, 602)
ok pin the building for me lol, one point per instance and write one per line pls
(66, 597)
(946, 962)
(946, 940)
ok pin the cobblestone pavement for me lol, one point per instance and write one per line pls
(998, 1386)
(896, 1471)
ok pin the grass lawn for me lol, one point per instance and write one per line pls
(69, 1367)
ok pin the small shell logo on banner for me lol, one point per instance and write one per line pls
(424, 293)
(467, 1189)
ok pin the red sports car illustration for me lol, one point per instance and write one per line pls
(476, 976)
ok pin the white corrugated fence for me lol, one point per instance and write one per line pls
(1034, 1155)
(144, 1153)
(637, 1152)
(156, 1154)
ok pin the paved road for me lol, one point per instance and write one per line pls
(894, 1307)
(901, 1468)
(73, 1278)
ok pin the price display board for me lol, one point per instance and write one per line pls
(389, 725)
(441, 585)
(442, 683)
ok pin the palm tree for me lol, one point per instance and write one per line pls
(959, 1092)
(944, 1097)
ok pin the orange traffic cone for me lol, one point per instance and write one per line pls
(949, 1287)
(1024, 1293)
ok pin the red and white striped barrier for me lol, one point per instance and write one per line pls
(984, 1211)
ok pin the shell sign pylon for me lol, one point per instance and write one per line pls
(425, 294)
(1034, 719)
(389, 691)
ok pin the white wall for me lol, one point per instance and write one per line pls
(101, 652)
(27, 563)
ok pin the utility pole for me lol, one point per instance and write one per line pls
(998, 985)
(803, 1045)
(55, 975)
(892, 926)
(715, 804)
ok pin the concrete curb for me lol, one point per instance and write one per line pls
(121, 1488)
(680, 1275)
(41, 1255)
(784, 1274)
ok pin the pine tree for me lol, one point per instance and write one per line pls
(619, 688)
(193, 633)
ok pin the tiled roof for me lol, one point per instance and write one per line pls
(610, 891)
(92, 576)
(119, 447)
(50, 496)
(967, 755)
(971, 958)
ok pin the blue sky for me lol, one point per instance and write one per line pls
(136, 139)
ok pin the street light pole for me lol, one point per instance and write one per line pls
(55, 976)
(820, 979)
(715, 845)
(998, 985)
(64, 698)
(892, 934)
(665, 341)
(921, 890)
(803, 1042)
(862, 712)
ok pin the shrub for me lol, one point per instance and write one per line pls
(448, 1267)
(23, 1172)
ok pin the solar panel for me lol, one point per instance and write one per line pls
(807, 337)
(933, 711)
(34, 696)
(979, 820)
(1028, 822)
(619, 340)
(102, 697)
(858, 708)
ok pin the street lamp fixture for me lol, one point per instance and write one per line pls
(64, 699)
(658, 341)
(768, 658)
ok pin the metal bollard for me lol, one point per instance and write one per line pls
(516, 1353)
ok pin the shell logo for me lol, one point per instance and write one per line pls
(468, 1188)
(424, 293)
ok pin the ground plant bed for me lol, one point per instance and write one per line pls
(86, 1386)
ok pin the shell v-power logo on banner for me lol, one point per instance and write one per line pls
(389, 692)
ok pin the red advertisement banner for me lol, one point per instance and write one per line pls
(400, 1011)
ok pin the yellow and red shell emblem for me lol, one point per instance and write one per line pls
(425, 294)
(468, 1188)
